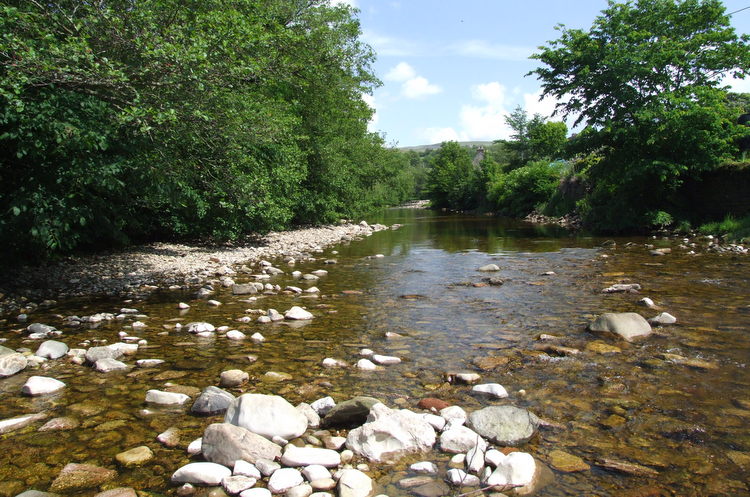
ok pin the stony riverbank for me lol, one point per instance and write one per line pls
(143, 269)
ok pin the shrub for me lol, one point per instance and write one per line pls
(520, 191)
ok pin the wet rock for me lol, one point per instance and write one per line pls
(354, 483)
(11, 362)
(234, 485)
(461, 478)
(135, 457)
(350, 413)
(462, 378)
(298, 313)
(52, 349)
(504, 425)
(366, 365)
(118, 492)
(305, 456)
(105, 352)
(170, 437)
(385, 359)
(663, 319)
(12, 424)
(38, 331)
(623, 287)
(628, 325)
(201, 473)
(266, 415)
(147, 363)
(166, 398)
(490, 363)
(567, 463)
(690, 362)
(244, 289)
(424, 467)
(324, 405)
(199, 327)
(60, 424)
(74, 477)
(489, 268)
(283, 479)
(599, 347)
(460, 439)
(626, 467)
(431, 403)
(645, 301)
(107, 365)
(432, 489)
(233, 378)
(493, 389)
(41, 385)
(212, 400)
(195, 447)
(224, 443)
(390, 434)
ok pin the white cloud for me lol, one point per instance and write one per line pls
(438, 135)
(412, 85)
(419, 87)
(485, 122)
(388, 46)
(533, 104)
(400, 72)
(737, 85)
(486, 50)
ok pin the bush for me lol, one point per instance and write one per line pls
(734, 229)
(520, 191)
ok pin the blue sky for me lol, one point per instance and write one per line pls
(452, 70)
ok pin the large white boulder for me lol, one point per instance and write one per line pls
(628, 325)
(225, 443)
(389, 434)
(516, 469)
(267, 415)
(41, 385)
(354, 483)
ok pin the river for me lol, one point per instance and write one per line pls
(677, 403)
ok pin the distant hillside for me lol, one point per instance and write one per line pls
(422, 148)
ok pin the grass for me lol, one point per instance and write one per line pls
(733, 229)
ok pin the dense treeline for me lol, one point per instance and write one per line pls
(124, 120)
(645, 83)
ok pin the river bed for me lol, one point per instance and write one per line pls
(686, 421)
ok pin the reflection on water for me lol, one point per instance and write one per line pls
(688, 422)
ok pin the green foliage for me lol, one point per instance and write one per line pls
(161, 118)
(733, 229)
(520, 191)
(533, 138)
(453, 182)
(644, 81)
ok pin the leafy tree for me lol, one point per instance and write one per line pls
(645, 79)
(547, 140)
(452, 180)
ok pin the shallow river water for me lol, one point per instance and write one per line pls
(685, 423)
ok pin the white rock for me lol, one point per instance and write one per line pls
(283, 479)
(266, 415)
(494, 389)
(107, 365)
(517, 469)
(297, 313)
(390, 433)
(313, 289)
(316, 472)
(294, 289)
(493, 457)
(201, 473)
(198, 327)
(139, 325)
(147, 363)
(329, 362)
(183, 305)
(304, 490)
(366, 352)
(305, 456)
(459, 477)
(385, 359)
(234, 485)
(256, 492)
(263, 320)
(236, 335)
(313, 418)
(437, 422)
(195, 446)
(489, 267)
(266, 467)
(459, 439)
(475, 458)
(41, 385)
(366, 365)
(647, 302)
(167, 398)
(244, 468)
(424, 467)
(323, 405)
(454, 415)
(354, 483)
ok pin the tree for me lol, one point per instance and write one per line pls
(452, 180)
(646, 81)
